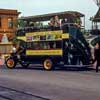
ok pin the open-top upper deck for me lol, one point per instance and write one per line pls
(46, 17)
(39, 23)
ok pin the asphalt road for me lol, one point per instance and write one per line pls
(37, 84)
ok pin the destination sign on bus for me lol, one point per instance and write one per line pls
(43, 36)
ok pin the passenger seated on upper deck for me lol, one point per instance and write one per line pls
(51, 23)
(57, 22)
(78, 22)
(54, 23)
(64, 25)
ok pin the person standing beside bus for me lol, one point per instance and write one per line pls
(97, 56)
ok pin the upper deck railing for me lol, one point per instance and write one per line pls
(69, 28)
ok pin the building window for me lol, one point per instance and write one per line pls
(10, 23)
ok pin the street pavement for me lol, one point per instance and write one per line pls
(36, 84)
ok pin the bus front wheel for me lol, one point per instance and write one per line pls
(48, 64)
(10, 63)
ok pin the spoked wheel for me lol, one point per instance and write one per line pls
(48, 64)
(10, 63)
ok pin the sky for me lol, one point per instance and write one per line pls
(37, 7)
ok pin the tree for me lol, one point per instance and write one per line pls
(19, 23)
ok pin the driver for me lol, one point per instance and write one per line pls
(18, 50)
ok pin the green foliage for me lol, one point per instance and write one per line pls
(21, 23)
(15, 41)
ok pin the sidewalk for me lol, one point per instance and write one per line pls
(1, 62)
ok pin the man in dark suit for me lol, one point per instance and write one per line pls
(64, 25)
(97, 55)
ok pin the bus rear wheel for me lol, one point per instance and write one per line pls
(48, 64)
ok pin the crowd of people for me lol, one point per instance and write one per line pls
(56, 23)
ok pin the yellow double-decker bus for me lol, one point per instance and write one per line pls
(61, 45)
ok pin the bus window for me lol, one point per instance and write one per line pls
(55, 44)
(44, 45)
(29, 45)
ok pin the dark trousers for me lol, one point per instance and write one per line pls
(97, 66)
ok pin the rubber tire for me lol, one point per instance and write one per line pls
(10, 67)
(48, 64)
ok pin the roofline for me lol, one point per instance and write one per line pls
(11, 11)
(47, 16)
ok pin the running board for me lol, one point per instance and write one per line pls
(77, 65)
